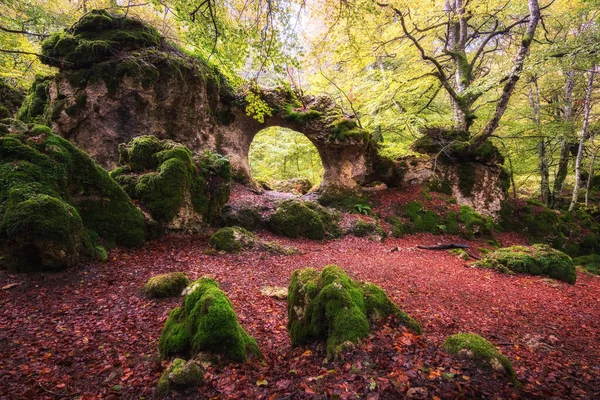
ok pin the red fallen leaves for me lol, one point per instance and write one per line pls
(91, 329)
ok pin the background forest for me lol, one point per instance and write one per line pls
(399, 67)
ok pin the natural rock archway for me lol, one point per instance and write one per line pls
(148, 87)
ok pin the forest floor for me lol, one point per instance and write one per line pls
(91, 333)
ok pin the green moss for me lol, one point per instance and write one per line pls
(247, 216)
(363, 229)
(398, 228)
(330, 306)
(11, 98)
(173, 179)
(420, 219)
(539, 259)
(36, 105)
(166, 285)
(180, 374)
(474, 223)
(232, 239)
(466, 178)
(474, 346)
(440, 186)
(300, 117)
(206, 322)
(346, 129)
(294, 219)
(590, 262)
(76, 202)
(460, 253)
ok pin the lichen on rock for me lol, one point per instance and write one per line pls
(179, 190)
(206, 322)
(473, 346)
(332, 307)
(166, 285)
(56, 204)
(539, 259)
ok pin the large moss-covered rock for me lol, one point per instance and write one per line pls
(36, 105)
(332, 307)
(178, 189)
(206, 322)
(166, 285)
(539, 259)
(296, 218)
(473, 346)
(180, 374)
(56, 204)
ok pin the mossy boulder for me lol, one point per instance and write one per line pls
(332, 307)
(247, 216)
(206, 322)
(473, 346)
(296, 218)
(539, 259)
(178, 189)
(590, 262)
(232, 239)
(97, 37)
(35, 107)
(166, 285)
(11, 99)
(363, 228)
(56, 204)
(180, 374)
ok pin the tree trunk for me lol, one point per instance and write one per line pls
(590, 176)
(534, 101)
(563, 162)
(582, 138)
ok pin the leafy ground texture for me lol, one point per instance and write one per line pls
(91, 333)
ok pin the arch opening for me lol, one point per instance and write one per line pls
(281, 158)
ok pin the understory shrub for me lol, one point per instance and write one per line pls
(539, 259)
(206, 322)
(332, 307)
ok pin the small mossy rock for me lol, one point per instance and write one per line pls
(473, 346)
(166, 285)
(232, 239)
(180, 374)
(179, 190)
(539, 259)
(332, 307)
(295, 218)
(294, 185)
(367, 229)
(246, 216)
(590, 262)
(56, 204)
(206, 322)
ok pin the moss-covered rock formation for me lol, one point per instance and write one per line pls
(363, 228)
(35, 107)
(56, 204)
(206, 322)
(179, 190)
(296, 218)
(11, 99)
(332, 307)
(246, 216)
(473, 346)
(590, 262)
(539, 259)
(180, 374)
(232, 239)
(166, 285)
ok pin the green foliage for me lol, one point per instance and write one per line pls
(278, 154)
(363, 209)
(332, 307)
(295, 218)
(539, 259)
(206, 322)
(205, 180)
(57, 204)
(232, 239)
(474, 346)
(590, 262)
(166, 285)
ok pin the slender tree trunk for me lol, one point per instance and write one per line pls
(590, 176)
(582, 138)
(563, 162)
(534, 101)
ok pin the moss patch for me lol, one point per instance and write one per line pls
(538, 259)
(206, 322)
(473, 346)
(332, 307)
(166, 285)
(232, 239)
(180, 374)
(36, 105)
(295, 218)
(56, 204)
(591, 263)
(164, 177)
(365, 229)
